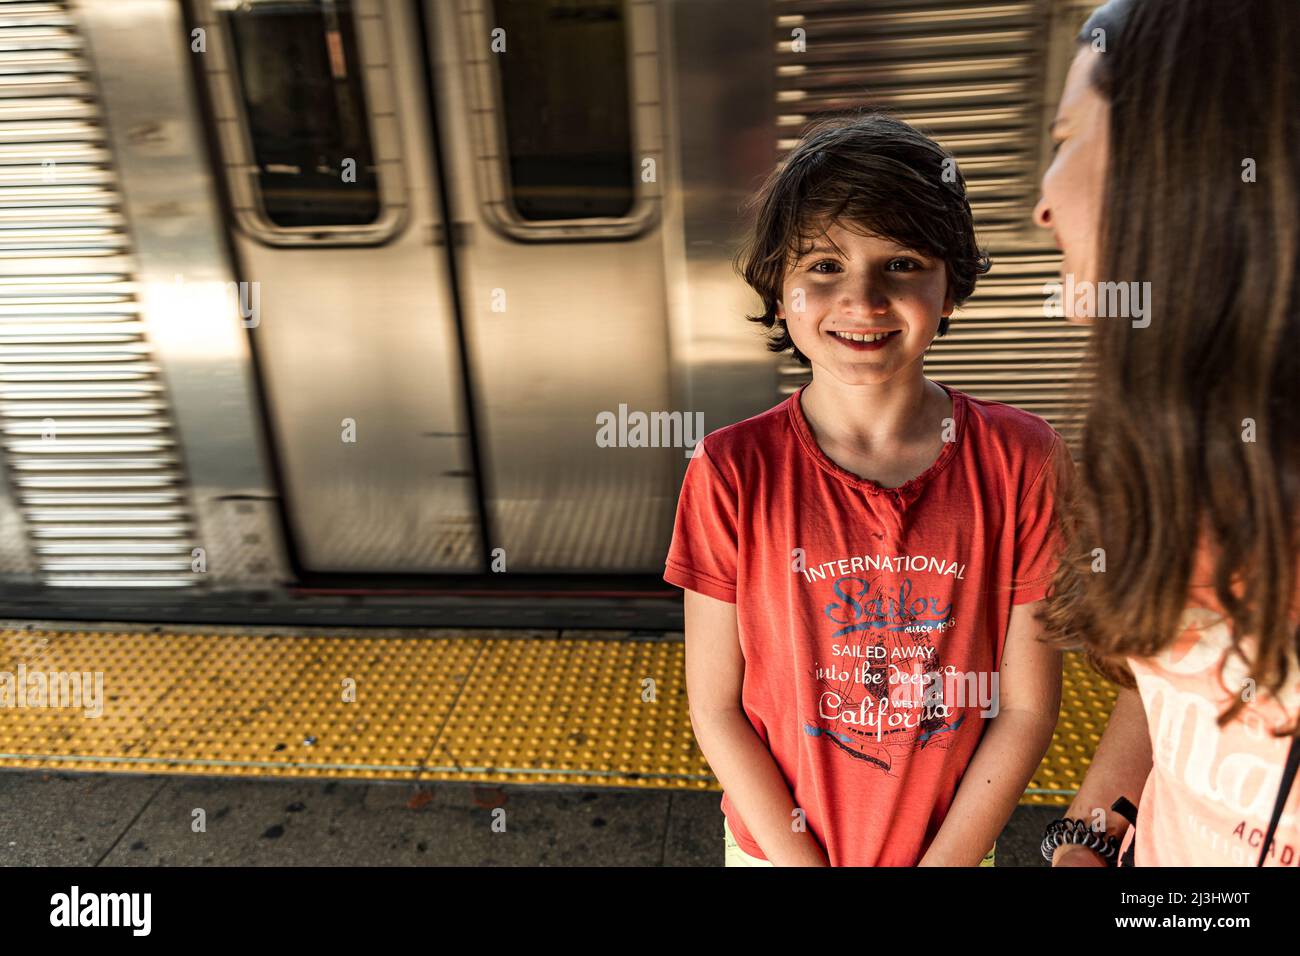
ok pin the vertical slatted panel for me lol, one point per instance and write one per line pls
(88, 446)
(972, 75)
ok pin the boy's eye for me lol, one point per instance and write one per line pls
(817, 266)
(902, 265)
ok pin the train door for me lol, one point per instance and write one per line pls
(469, 408)
(322, 125)
(551, 111)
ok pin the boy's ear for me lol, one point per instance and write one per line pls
(945, 316)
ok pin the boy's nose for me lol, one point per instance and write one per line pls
(869, 299)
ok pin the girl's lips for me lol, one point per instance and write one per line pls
(866, 346)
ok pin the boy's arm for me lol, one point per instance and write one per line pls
(715, 670)
(1028, 700)
(1119, 769)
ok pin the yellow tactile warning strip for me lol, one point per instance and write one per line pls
(577, 707)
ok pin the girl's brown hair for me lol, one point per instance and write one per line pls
(870, 171)
(1190, 437)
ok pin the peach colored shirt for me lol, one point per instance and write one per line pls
(1211, 790)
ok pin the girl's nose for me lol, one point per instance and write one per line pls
(1042, 214)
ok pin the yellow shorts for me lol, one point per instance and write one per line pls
(733, 855)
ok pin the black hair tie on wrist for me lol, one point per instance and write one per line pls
(1074, 831)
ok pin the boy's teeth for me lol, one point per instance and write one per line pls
(854, 337)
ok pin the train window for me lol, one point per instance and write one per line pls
(566, 107)
(302, 99)
(299, 77)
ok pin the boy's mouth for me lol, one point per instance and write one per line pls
(865, 341)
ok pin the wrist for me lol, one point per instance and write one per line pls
(1076, 832)
(1116, 817)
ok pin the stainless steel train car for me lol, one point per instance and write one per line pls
(352, 310)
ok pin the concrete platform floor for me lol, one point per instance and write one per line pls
(59, 819)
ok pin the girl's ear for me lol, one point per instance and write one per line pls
(780, 310)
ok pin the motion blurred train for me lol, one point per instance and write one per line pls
(310, 309)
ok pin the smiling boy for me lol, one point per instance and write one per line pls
(863, 563)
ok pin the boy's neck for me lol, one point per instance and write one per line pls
(902, 410)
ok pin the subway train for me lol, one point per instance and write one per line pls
(410, 311)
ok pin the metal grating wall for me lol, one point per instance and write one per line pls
(972, 75)
(89, 453)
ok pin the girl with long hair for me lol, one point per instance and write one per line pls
(1176, 184)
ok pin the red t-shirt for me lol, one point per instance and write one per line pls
(848, 594)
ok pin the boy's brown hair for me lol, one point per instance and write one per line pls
(869, 171)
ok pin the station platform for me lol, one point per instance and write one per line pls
(575, 708)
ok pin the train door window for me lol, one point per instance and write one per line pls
(302, 100)
(566, 108)
(567, 115)
(298, 71)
